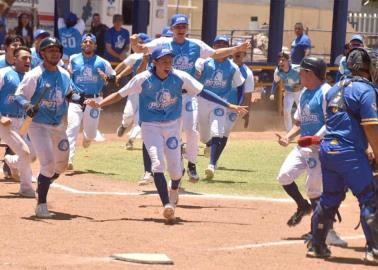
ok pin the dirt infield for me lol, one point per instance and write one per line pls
(96, 217)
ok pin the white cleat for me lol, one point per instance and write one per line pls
(333, 239)
(41, 211)
(146, 179)
(29, 193)
(209, 172)
(9, 160)
(129, 145)
(169, 212)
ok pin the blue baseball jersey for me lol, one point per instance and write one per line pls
(160, 100)
(291, 78)
(234, 96)
(53, 105)
(71, 37)
(343, 68)
(219, 77)
(3, 62)
(186, 54)
(85, 78)
(344, 130)
(118, 41)
(298, 47)
(311, 110)
(9, 81)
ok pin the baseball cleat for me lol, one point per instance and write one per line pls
(173, 196)
(333, 239)
(209, 172)
(193, 175)
(318, 252)
(41, 211)
(206, 151)
(86, 143)
(146, 179)
(129, 145)
(14, 174)
(296, 218)
(120, 130)
(70, 166)
(371, 256)
(29, 193)
(169, 212)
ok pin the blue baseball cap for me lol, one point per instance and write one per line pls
(89, 36)
(161, 51)
(70, 18)
(39, 33)
(221, 38)
(167, 32)
(179, 19)
(144, 38)
(357, 38)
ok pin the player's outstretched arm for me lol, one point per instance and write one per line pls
(136, 46)
(112, 98)
(224, 52)
(293, 132)
(208, 95)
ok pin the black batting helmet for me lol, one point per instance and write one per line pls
(316, 65)
(363, 59)
(50, 42)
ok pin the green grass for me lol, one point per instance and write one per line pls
(246, 167)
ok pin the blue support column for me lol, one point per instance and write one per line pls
(61, 8)
(339, 24)
(276, 26)
(141, 15)
(209, 21)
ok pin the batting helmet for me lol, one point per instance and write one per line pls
(363, 59)
(50, 42)
(316, 65)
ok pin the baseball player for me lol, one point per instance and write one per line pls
(218, 76)
(160, 101)
(12, 42)
(70, 32)
(43, 94)
(187, 51)
(87, 78)
(351, 123)
(309, 121)
(357, 41)
(11, 119)
(38, 35)
(289, 74)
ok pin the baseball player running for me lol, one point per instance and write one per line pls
(160, 101)
(11, 119)
(309, 121)
(289, 74)
(43, 94)
(218, 76)
(187, 51)
(88, 72)
(351, 124)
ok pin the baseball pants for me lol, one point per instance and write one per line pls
(189, 118)
(288, 102)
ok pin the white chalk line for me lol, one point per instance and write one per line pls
(276, 243)
(199, 195)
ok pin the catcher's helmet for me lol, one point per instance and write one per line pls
(50, 42)
(363, 59)
(316, 65)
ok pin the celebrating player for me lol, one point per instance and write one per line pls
(351, 123)
(309, 121)
(88, 73)
(43, 94)
(160, 101)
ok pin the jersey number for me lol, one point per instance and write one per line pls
(69, 42)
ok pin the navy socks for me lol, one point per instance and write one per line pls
(43, 188)
(161, 186)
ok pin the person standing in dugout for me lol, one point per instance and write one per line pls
(160, 100)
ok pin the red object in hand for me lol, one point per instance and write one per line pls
(308, 141)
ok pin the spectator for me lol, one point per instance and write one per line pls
(24, 29)
(38, 36)
(117, 41)
(98, 29)
(357, 41)
(70, 31)
(301, 45)
(339, 57)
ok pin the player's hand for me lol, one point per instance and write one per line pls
(245, 46)
(5, 121)
(240, 110)
(102, 75)
(370, 153)
(91, 102)
(30, 109)
(134, 39)
(271, 97)
(246, 120)
(284, 141)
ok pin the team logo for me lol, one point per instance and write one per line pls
(54, 99)
(311, 163)
(164, 99)
(232, 117)
(10, 99)
(94, 113)
(307, 116)
(217, 80)
(183, 63)
(63, 145)
(86, 75)
(189, 106)
(120, 42)
(219, 112)
(172, 143)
